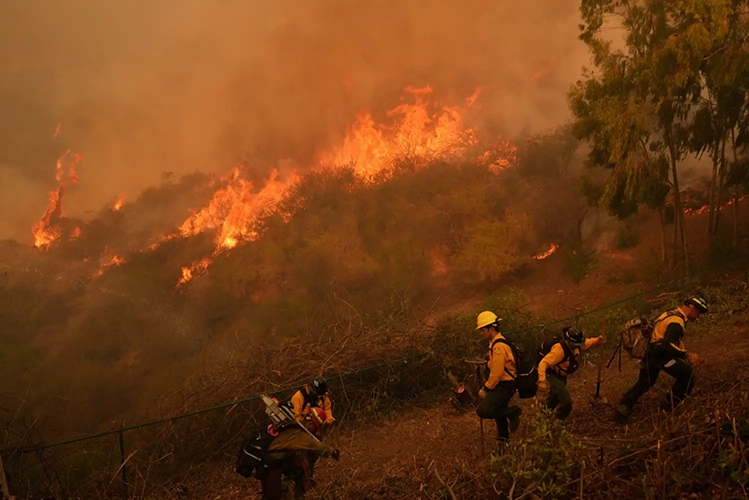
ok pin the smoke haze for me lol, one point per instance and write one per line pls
(148, 86)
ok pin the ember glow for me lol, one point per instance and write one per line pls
(47, 230)
(548, 253)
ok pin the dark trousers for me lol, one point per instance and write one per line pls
(296, 469)
(652, 366)
(496, 407)
(559, 399)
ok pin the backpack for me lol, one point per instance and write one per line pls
(637, 333)
(527, 375)
(545, 348)
(253, 454)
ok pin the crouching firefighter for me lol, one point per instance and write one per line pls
(666, 352)
(501, 385)
(277, 454)
(560, 358)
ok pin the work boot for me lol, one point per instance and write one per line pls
(513, 418)
(502, 447)
(621, 414)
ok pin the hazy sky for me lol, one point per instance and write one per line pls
(147, 86)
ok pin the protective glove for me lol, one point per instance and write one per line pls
(543, 386)
(329, 421)
(602, 339)
(336, 455)
(482, 393)
(694, 359)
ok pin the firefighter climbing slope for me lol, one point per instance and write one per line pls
(560, 358)
(666, 352)
(501, 385)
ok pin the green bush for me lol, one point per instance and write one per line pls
(543, 462)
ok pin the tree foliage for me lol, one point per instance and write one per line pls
(675, 85)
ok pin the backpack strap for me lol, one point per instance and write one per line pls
(513, 350)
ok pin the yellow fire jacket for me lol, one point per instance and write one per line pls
(555, 359)
(669, 332)
(302, 406)
(501, 363)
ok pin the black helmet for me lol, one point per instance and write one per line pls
(319, 386)
(697, 301)
(573, 336)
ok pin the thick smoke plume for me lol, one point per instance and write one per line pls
(152, 86)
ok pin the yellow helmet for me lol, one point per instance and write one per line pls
(486, 318)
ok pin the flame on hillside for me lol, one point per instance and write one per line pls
(47, 230)
(419, 132)
(417, 135)
(196, 269)
(118, 202)
(548, 253)
(106, 262)
(705, 208)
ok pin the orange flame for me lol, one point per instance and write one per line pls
(548, 253)
(196, 269)
(46, 231)
(75, 234)
(417, 135)
(419, 132)
(118, 202)
(57, 131)
(705, 208)
(115, 260)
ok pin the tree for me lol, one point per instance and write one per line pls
(638, 109)
(717, 30)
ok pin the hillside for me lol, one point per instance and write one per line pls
(431, 450)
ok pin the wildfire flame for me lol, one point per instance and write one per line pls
(705, 208)
(548, 253)
(114, 260)
(75, 234)
(46, 231)
(118, 202)
(196, 269)
(416, 135)
(57, 131)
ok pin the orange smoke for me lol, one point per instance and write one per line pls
(47, 231)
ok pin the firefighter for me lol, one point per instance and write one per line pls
(666, 353)
(312, 395)
(500, 386)
(561, 360)
(290, 451)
